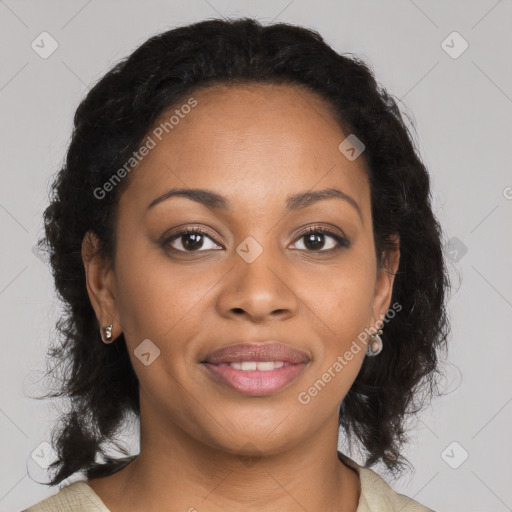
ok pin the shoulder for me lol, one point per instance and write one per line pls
(377, 495)
(76, 497)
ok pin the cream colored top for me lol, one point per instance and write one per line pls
(376, 496)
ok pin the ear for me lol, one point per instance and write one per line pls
(99, 279)
(384, 282)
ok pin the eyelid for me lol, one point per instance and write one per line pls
(175, 234)
(339, 237)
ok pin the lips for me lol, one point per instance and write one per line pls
(256, 352)
(256, 370)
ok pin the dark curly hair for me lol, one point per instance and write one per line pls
(97, 379)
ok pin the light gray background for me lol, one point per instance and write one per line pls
(462, 107)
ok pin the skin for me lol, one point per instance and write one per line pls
(255, 145)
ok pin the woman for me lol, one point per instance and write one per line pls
(244, 238)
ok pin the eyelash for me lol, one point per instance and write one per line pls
(342, 242)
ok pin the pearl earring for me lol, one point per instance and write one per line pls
(375, 345)
(106, 334)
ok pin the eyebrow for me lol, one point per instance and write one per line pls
(295, 202)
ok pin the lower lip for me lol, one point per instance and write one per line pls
(256, 382)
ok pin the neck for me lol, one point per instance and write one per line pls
(176, 471)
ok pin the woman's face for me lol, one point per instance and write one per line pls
(252, 275)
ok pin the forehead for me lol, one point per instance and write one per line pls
(253, 142)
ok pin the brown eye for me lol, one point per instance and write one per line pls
(190, 240)
(315, 240)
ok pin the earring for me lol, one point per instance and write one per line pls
(375, 345)
(106, 334)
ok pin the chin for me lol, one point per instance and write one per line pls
(243, 437)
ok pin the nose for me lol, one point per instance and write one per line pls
(261, 290)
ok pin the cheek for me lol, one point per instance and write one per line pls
(159, 301)
(343, 296)
(342, 311)
(144, 295)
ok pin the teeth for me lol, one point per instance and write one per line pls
(263, 366)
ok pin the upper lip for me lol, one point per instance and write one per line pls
(256, 352)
